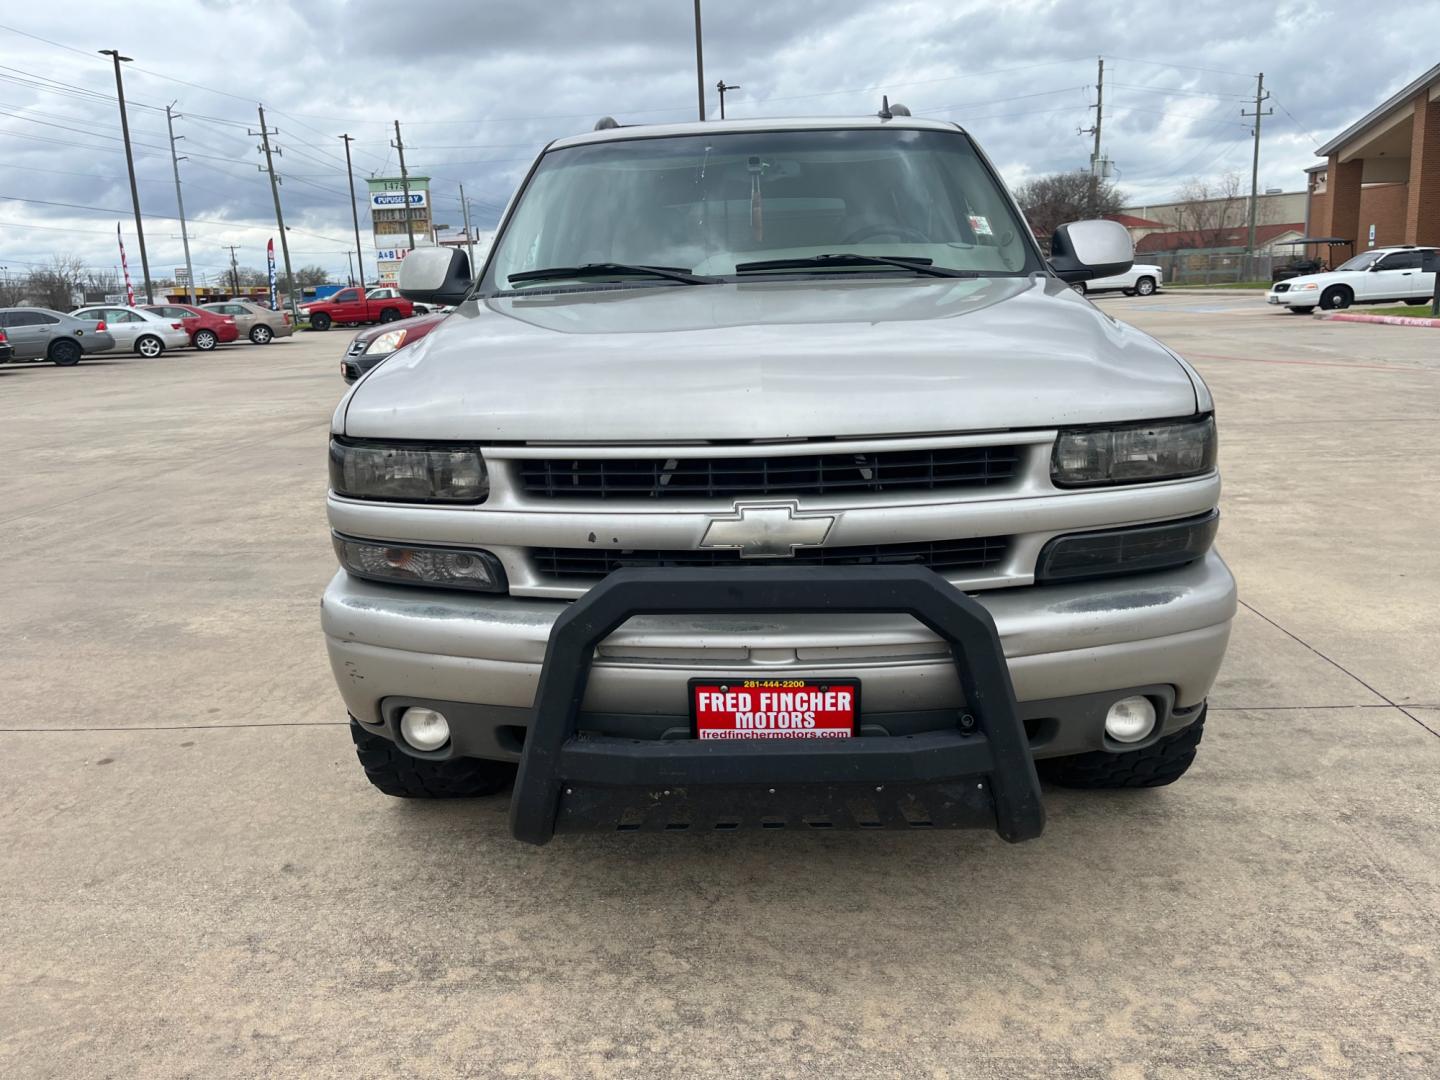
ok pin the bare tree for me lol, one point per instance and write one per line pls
(55, 284)
(250, 276)
(100, 284)
(1210, 208)
(311, 275)
(13, 290)
(1051, 201)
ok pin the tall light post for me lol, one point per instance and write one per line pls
(355, 214)
(699, 63)
(114, 54)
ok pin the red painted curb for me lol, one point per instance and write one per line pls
(1388, 320)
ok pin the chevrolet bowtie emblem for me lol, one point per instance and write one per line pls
(767, 530)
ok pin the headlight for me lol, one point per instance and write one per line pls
(1131, 550)
(447, 568)
(304, 311)
(1302, 288)
(407, 472)
(1134, 453)
(387, 342)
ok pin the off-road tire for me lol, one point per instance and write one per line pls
(389, 314)
(1145, 286)
(64, 353)
(205, 340)
(320, 321)
(262, 334)
(1336, 298)
(1156, 765)
(397, 773)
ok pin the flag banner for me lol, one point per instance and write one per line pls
(125, 266)
(270, 259)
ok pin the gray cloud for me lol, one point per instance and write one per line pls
(480, 87)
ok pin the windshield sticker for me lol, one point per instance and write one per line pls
(981, 225)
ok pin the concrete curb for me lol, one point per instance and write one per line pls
(1388, 320)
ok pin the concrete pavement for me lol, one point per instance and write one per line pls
(195, 879)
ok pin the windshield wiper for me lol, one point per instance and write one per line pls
(904, 262)
(555, 273)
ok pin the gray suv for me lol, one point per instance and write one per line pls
(41, 334)
(767, 475)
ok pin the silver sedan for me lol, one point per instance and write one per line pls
(137, 329)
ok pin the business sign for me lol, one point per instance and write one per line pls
(391, 254)
(395, 200)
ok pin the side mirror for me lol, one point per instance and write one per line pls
(1083, 250)
(435, 275)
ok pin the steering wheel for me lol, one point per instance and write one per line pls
(900, 232)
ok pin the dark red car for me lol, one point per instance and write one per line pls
(206, 328)
(369, 347)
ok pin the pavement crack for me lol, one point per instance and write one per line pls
(1341, 667)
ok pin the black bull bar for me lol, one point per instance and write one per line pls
(978, 774)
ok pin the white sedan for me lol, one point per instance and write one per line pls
(1142, 279)
(137, 329)
(1375, 276)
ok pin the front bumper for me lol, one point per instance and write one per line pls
(1294, 298)
(1069, 648)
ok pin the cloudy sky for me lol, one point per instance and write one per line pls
(480, 85)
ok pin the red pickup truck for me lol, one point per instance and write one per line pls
(355, 306)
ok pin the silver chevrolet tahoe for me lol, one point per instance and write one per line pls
(768, 474)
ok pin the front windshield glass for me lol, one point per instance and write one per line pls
(705, 203)
(1363, 261)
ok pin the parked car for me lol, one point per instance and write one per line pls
(41, 334)
(386, 292)
(7, 351)
(260, 324)
(1374, 276)
(1142, 279)
(138, 330)
(351, 307)
(376, 343)
(206, 328)
(806, 396)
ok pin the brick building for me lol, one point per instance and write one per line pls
(1380, 183)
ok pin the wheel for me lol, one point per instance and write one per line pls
(64, 353)
(149, 346)
(1127, 292)
(261, 334)
(1300, 310)
(1145, 286)
(1336, 297)
(1161, 763)
(420, 309)
(205, 340)
(389, 314)
(1079, 287)
(320, 321)
(396, 773)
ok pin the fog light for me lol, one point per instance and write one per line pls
(1129, 719)
(425, 729)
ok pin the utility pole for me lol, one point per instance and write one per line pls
(722, 87)
(350, 260)
(469, 236)
(1095, 165)
(354, 214)
(234, 270)
(699, 63)
(399, 146)
(114, 54)
(265, 134)
(180, 201)
(1261, 96)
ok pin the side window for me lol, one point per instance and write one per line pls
(89, 313)
(236, 309)
(39, 318)
(1401, 260)
(345, 296)
(120, 315)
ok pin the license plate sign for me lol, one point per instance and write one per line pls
(775, 708)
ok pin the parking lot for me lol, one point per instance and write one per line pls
(195, 878)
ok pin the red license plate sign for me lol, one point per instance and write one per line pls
(775, 708)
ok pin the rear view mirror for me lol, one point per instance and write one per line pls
(435, 275)
(1083, 250)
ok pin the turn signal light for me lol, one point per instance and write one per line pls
(100, 327)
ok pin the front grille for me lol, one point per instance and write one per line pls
(815, 474)
(1282, 286)
(978, 553)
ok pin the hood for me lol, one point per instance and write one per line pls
(770, 360)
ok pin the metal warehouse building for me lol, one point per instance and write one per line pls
(1380, 183)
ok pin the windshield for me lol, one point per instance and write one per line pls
(1362, 261)
(705, 203)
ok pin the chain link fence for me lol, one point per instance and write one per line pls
(1212, 268)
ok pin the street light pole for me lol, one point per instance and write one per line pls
(114, 54)
(699, 63)
(722, 86)
(354, 214)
